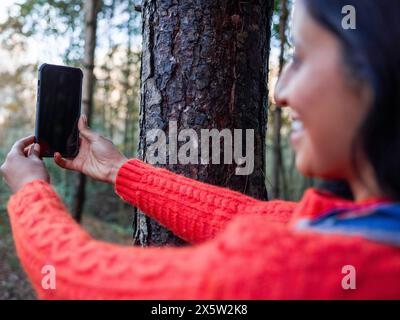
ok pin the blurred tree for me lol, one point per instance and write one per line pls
(91, 8)
(205, 65)
(278, 169)
(130, 120)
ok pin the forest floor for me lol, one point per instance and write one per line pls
(13, 281)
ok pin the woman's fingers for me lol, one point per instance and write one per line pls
(20, 168)
(30, 150)
(63, 163)
(84, 129)
(26, 150)
(34, 151)
(20, 145)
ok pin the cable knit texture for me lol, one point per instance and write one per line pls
(242, 248)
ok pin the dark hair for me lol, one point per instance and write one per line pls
(372, 52)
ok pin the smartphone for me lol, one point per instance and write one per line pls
(58, 109)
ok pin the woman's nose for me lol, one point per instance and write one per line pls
(280, 96)
(280, 99)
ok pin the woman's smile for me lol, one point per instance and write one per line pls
(297, 131)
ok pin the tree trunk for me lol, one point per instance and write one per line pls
(205, 66)
(91, 8)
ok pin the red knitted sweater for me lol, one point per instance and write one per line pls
(242, 248)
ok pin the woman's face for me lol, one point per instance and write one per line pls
(327, 107)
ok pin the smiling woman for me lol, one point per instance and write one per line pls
(360, 89)
(327, 108)
(345, 102)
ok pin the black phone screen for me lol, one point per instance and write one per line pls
(58, 110)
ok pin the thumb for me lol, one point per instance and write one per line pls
(84, 129)
(64, 163)
(34, 151)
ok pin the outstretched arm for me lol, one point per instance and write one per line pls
(193, 210)
(251, 259)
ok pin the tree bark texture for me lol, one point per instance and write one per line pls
(205, 65)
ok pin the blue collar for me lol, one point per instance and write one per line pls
(377, 222)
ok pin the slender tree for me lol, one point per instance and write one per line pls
(91, 9)
(278, 167)
(128, 85)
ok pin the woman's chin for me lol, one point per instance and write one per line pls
(305, 168)
(303, 165)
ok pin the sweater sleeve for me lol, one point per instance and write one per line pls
(192, 210)
(251, 259)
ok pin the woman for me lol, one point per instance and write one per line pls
(342, 86)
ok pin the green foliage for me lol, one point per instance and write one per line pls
(48, 18)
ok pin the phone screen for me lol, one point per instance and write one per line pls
(58, 110)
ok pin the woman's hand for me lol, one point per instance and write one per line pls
(97, 157)
(23, 164)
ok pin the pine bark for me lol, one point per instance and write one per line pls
(205, 65)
